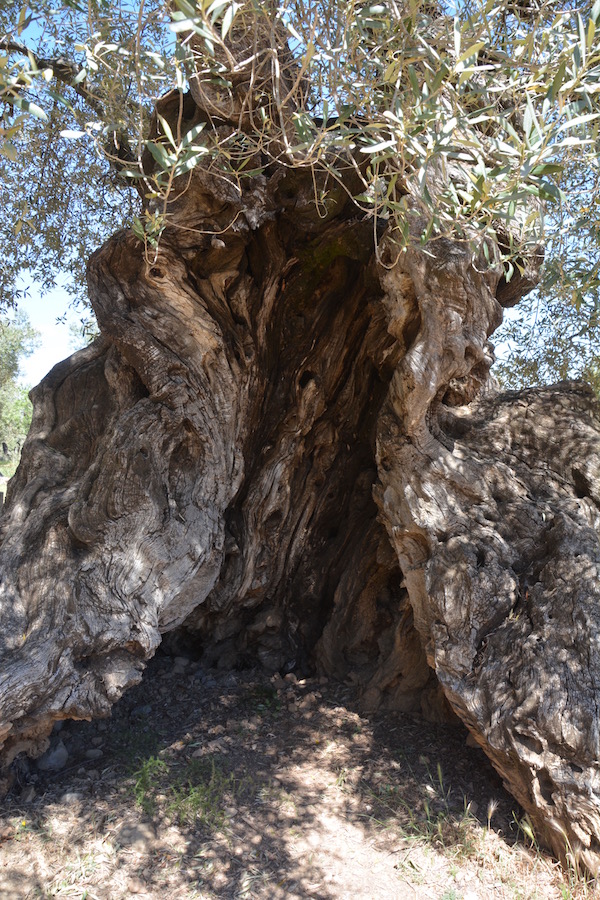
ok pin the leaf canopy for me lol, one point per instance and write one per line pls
(478, 120)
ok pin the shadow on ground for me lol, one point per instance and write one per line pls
(221, 785)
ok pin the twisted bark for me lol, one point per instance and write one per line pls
(283, 445)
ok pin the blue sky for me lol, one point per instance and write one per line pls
(56, 340)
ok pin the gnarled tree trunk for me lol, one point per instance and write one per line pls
(281, 443)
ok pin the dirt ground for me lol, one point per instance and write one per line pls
(206, 784)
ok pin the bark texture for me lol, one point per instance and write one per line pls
(492, 504)
(282, 445)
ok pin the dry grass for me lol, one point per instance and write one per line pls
(238, 786)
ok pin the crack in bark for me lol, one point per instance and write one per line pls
(292, 454)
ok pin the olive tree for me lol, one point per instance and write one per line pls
(285, 443)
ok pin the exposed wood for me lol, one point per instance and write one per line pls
(286, 445)
(492, 504)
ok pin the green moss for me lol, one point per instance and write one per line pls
(320, 254)
(316, 266)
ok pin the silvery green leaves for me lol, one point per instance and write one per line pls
(172, 157)
(203, 17)
(496, 106)
(470, 119)
(474, 116)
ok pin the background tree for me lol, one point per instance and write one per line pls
(553, 333)
(15, 419)
(17, 340)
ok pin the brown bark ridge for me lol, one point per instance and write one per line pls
(492, 503)
(283, 445)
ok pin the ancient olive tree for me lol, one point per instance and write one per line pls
(285, 442)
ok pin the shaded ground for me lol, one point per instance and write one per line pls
(206, 784)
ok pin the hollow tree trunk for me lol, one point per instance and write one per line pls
(209, 461)
(283, 446)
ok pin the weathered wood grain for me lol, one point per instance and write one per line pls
(285, 446)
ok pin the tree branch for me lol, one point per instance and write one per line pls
(64, 71)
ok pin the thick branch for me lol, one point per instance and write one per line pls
(64, 71)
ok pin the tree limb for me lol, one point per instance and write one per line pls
(64, 71)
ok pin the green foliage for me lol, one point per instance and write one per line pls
(471, 118)
(146, 779)
(65, 70)
(15, 416)
(201, 793)
(550, 338)
(196, 794)
(478, 121)
(17, 340)
(264, 699)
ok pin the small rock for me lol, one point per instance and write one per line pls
(138, 837)
(93, 774)
(27, 794)
(217, 729)
(175, 839)
(291, 678)
(136, 886)
(307, 701)
(70, 797)
(180, 665)
(54, 759)
(94, 753)
(97, 741)
(181, 662)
